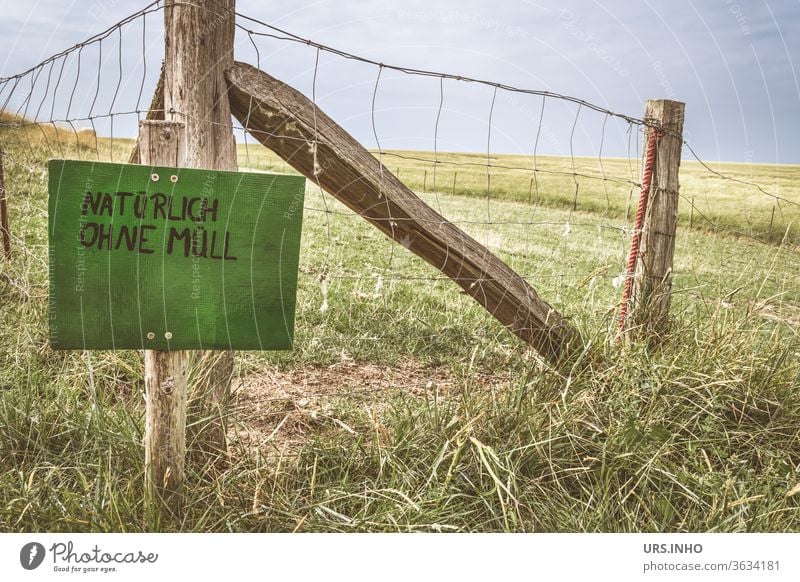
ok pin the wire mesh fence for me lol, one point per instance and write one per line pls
(547, 182)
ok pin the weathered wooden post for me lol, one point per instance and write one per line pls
(4, 231)
(162, 143)
(771, 223)
(652, 280)
(199, 48)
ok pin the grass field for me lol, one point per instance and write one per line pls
(709, 201)
(405, 407)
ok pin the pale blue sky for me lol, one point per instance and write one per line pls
(733, 63)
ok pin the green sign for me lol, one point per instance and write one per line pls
(167, 258)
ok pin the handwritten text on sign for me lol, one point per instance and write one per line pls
(167, 258)
(196, 241)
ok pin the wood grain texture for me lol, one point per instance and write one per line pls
(5, 232)
(165, 374)
(199, 47)
(154, 113)
(652, 283)
(288, 123)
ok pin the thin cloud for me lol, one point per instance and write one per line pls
(730, 62)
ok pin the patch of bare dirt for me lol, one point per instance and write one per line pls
(279, 409)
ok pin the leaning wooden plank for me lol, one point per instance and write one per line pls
(289, 124)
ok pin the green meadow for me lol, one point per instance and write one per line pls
(405, 407)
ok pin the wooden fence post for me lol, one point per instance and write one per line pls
(199, 48)
(161, 143)
(4, 231)
(771, 223)
(652, 283)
